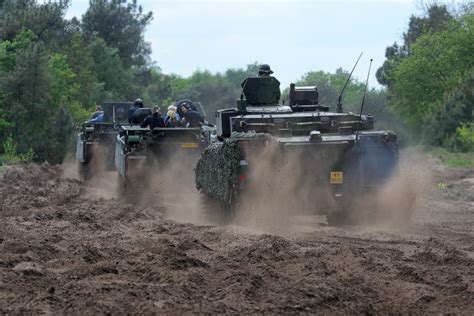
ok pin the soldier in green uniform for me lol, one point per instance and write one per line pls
(263, 89)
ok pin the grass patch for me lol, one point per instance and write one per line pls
(454, 159)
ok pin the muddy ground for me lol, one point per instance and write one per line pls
(68, 248)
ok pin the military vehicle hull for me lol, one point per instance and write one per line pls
(141, 153)
(95, 148)
(295, 156)
(320, 176)
(95, 142)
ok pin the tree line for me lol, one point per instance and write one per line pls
(53, 71)
(429, 78)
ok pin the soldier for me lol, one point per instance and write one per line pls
(138, 103)
(155, 120)
(264, 70)
(264, 88)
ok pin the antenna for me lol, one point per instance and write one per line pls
(365, 91)
(339, 100)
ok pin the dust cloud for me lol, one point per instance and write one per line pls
(100, 174)
(278, 189)
(170, 184)
(285, 194)
(282, 194)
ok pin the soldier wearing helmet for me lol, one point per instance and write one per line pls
(264, 70)
(263, 89)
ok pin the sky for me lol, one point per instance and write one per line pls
(293, 37)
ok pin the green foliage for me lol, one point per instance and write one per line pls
(465, 136)
(453, 159)
(121, 25)
(330, 86)
(214, 91)
(436, 19)
(61, 133)
(45, 20)
(26, 94)
(437, 64)
(442, 124)
(63, 86)
(80, 61)
(10, 155)
(430, 77)
(53, 72)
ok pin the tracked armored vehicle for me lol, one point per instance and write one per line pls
(142, 154)
(299, 155)
(95, 141)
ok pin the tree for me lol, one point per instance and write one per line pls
(436, 65)
(44, 20)
(451, 124)
(61, 133)
(24, 82)
(436, 19)
(109, 70)
(214, 90)
(330, 85)
(90, 90)
(121, 25)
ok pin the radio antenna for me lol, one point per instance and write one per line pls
(339, 100)
(365, 91)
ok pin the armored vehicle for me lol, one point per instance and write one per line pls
(142, 152)
(95, 140)
(299, 155)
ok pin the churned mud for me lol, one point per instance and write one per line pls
(68, 247)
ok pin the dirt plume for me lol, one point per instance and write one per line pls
(276, 189)
(398, 199)
(100, 174)
(170, 184)
(281, 189)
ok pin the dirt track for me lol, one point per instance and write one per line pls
(62, 250)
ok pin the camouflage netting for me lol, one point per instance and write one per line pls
(217, 172)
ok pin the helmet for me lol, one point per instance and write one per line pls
(138, 102)
(264, 69)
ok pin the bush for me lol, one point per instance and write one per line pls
(449, 124)
(465, 137)
(10, 155)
